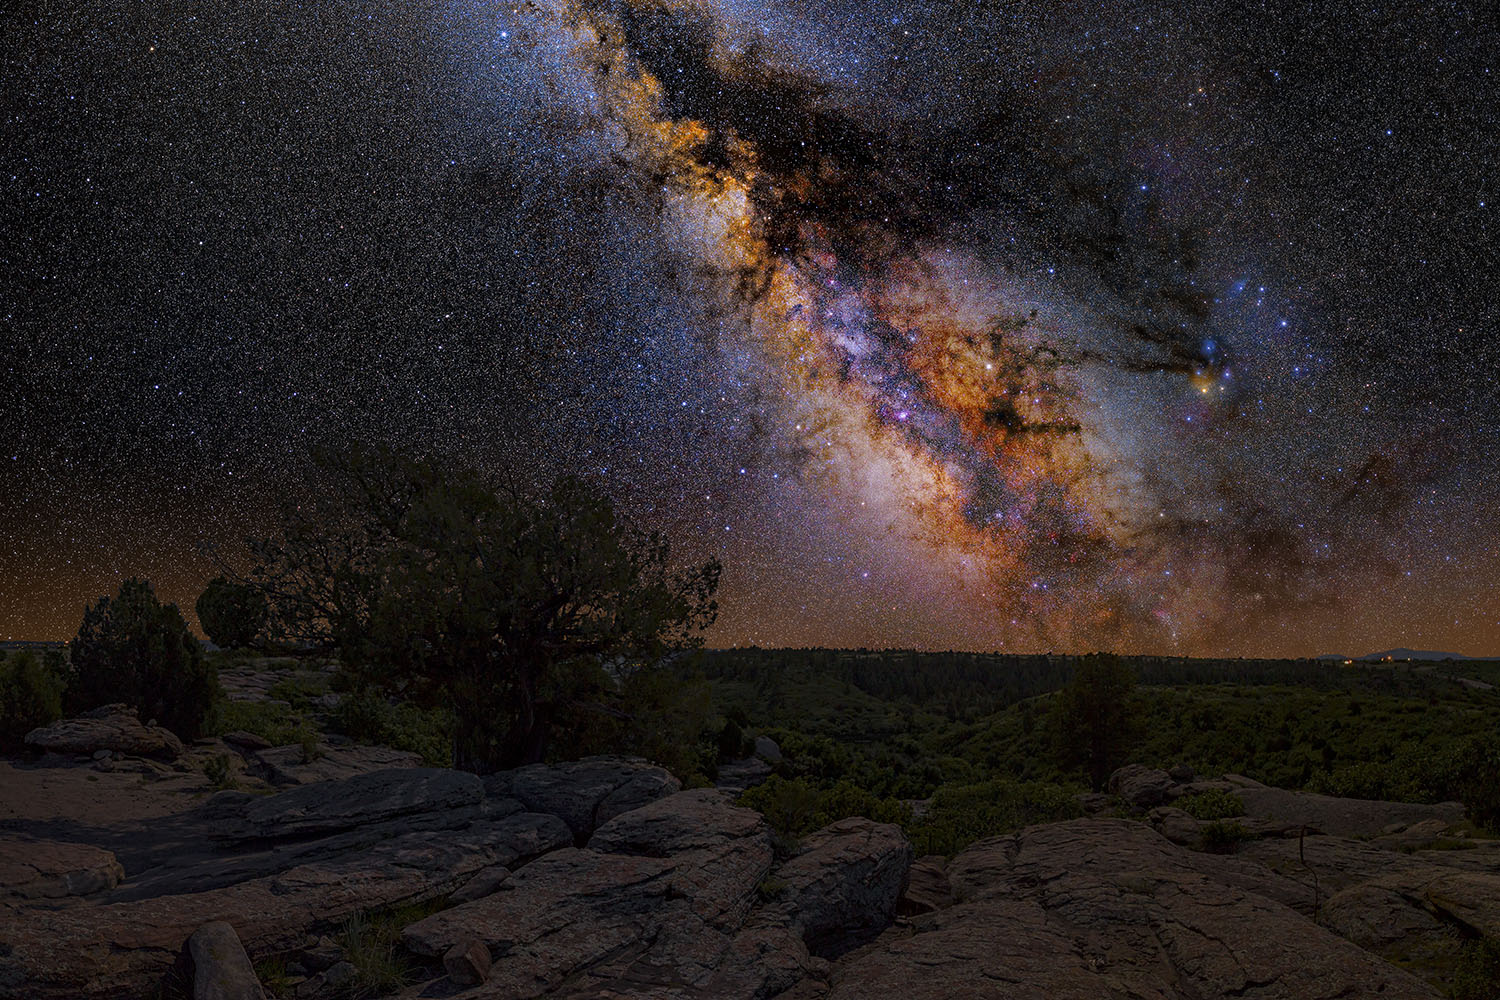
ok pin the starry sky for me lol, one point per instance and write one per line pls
(985, 325)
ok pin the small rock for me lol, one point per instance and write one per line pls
(1181, 773)
(221, 969)
(482, 884)
(767, 750)
(737, 775)
(1142, 787)
(467, 963)
(247, 741)
(1176, 825)
(927, 888)
(101, 755)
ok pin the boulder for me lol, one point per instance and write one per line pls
(467, 963)
(737, 775)
(1340, 817)
(1176, 825)
(482, 884)
(584, 793)
(221, 969)
(1373, 916)
(289, 765)
(47, 869)
(247, 741)
(331, 806)
(115, 728)
(691, 820)
(767, 750)
(842, 889)
(1141, 787)
(927, 887)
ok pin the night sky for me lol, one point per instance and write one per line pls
(1015, 326)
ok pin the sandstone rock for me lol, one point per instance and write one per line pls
(247, 741)
(1340, 817)
(1404, 837)
(46, 869)
(737, 775)
(482, 884)
(467, 963)
(1471, 898)
(115, 728)
(1141, 787)
(843, 887)
(927, 887)
(1176, 825)
(691, 820)
(1103, 908)
(767, 750)
(1093, 803)
(1374, 915)
(288, 765)
(221, 969)
(584, 793)
(1180, 773)
(341, 805)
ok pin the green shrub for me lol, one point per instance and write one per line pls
(30, 696)
(1216, 803)
(1477, 975)
(371, 942)
(1223, 836)
(232, 614)
(1474, 779)
(136, 650)
(961, 814)
(272, 723)
(369, 717)
(789, 805)
(218, 771)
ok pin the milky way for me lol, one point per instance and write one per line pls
(992, 327)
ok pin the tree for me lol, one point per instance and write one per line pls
(232, 614)
(1094, 718)
(136, 650)
(30, 696)
(518, 613)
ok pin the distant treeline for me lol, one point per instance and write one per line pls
(970, 685)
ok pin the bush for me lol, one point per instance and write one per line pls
(271, 723)
(232, 614)
(1473, 775)
(30, 696)
(961, 814)
(1477, 976)
(1223, 836)
(136, 650)
(368, 717)
(1216, 803)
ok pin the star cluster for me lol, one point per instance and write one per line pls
(985, 326)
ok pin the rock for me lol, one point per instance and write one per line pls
(584, 793)
(737, 775)
(1104, 908)
(342, 805)
(221, 969)
(1471, 898)
(767, 750)
(1339, 817)
(467, 963)
(1180, 773)
(1403, 837)
(691, 820)
(1093, 803)
(927, 888)
(102, 755)
(288, 765)
(332, 980)
(482, 884)
(114, 728)
(247, 741)
(46, 869)
(1176, 825)
(843, 887)
(1141, 787)
(1373, 915)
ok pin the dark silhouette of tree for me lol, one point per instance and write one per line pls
(232, 614)
(1094, 719)
(517, 613)
(133, 649)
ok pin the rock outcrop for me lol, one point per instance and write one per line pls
(46, 869)
(585, 793)
(112, 728)
(221, 969)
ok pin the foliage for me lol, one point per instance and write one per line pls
(30, 696)
(218, 771)
(136, 650)
(1472, 772)
(1223, 836)
(1093, 720)
(1216, 803)
(271, 723)
(795, 806)
(232, 614)
(369, 717)
(961, 814)
(371, 942)
(1477, 975)
(521, 615)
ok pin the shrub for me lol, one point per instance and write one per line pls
(1223, 836)
(218, 772)
(961, 814)
(369, 717)
(271, 723)
(1216, 803)
(789, 805)
(232, 614)
(136, 650)
(1474, 779)
(30, 696)
(1477, 975)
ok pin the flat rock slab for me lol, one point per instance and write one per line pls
(115, 728)
(289, 765)
(587, 792)
(47, 869)
(331, 806)
(1341, 817)
(691, 820)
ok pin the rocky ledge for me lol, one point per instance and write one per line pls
(602, 878)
